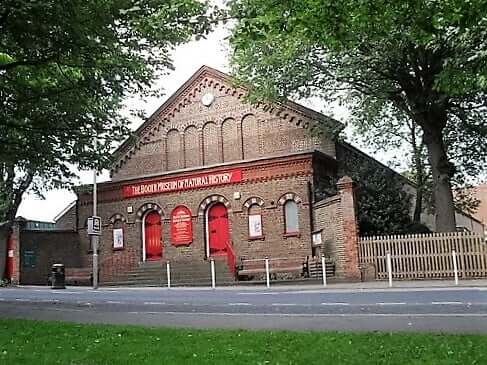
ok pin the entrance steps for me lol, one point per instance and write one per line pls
(183, 273)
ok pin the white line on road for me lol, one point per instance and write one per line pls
(338, 303)
(284, 304)
(239, 304)
(391, 303)
(113, 302)
(391, 315)
(154, 303)
(22, 300)
(447, 303)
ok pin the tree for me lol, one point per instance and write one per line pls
(383, 200)
(65, 69)
(424, 59)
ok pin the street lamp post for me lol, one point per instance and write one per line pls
(95, 238)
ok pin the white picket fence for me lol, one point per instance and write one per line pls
(424, 256)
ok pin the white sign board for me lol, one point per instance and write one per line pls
(255, 225)
(118, 238)
(94, 226)
(317, 238)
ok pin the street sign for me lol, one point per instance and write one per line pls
(94, 226)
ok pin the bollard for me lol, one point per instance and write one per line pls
(267, 275)
(389, 269)
(213, 282)
(455, 266)
(168, 271)
(323, 268)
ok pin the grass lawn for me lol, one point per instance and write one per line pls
(36, 342)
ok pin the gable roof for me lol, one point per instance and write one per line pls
(178, 99)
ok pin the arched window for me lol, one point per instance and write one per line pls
(291, 217)
(255, 222)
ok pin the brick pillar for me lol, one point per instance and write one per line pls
(201, 147)
(164, 153)
(348, 260)
(15, 237)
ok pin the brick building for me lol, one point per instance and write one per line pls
(209, 175)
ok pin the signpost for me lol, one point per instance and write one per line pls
(94, 231)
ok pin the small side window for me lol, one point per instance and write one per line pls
(291, 217)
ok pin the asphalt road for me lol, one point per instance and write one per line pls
(456, 310)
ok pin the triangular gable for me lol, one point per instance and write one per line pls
(207, 77)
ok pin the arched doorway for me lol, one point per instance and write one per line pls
(152, 237)
(218, 235)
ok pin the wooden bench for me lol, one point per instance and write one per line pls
(249, 267)
(78, 276)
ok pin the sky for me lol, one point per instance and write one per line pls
(188, 58)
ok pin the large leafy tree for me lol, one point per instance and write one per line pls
(388, 130)
(424, 59)
(65, 69)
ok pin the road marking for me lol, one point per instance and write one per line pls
(154, 303)
(283, 304)
(113, 302)
(391, 303)
(332, 315)
(22, 300)
(338, 303)
(239, 304)
(447, 303)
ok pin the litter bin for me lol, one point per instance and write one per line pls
(58, 277)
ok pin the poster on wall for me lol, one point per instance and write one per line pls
(117, 238)
(181, 226)
(255, 225)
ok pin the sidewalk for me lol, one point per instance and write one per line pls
(399, 285)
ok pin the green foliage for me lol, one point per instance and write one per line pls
(383, 200)
(65, 68)
(419, 61)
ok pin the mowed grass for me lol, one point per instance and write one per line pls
(37, 342)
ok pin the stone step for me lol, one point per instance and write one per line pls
(183, 273)
(173, 284)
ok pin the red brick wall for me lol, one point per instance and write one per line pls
(336, 217)
(268, 181)
(228, 130)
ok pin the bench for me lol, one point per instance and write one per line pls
(78, 276)
(75, 276)
(250, 267)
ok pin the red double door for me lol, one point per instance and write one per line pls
(153, 236)
(218, 232)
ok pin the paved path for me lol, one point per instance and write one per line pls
(461, 310)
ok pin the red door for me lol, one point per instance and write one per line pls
(153, 234)
(218, 234)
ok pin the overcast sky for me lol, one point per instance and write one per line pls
(188, 59)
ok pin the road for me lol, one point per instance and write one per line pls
(455, 310)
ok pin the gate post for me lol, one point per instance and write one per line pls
(347, 250)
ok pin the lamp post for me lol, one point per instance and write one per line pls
(94, 237)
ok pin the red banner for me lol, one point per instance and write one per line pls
(181, 226)
(182, 183)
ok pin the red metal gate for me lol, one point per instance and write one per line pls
(153, 234)
(218, 233)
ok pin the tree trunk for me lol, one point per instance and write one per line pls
(442, 171)
(420, 173)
